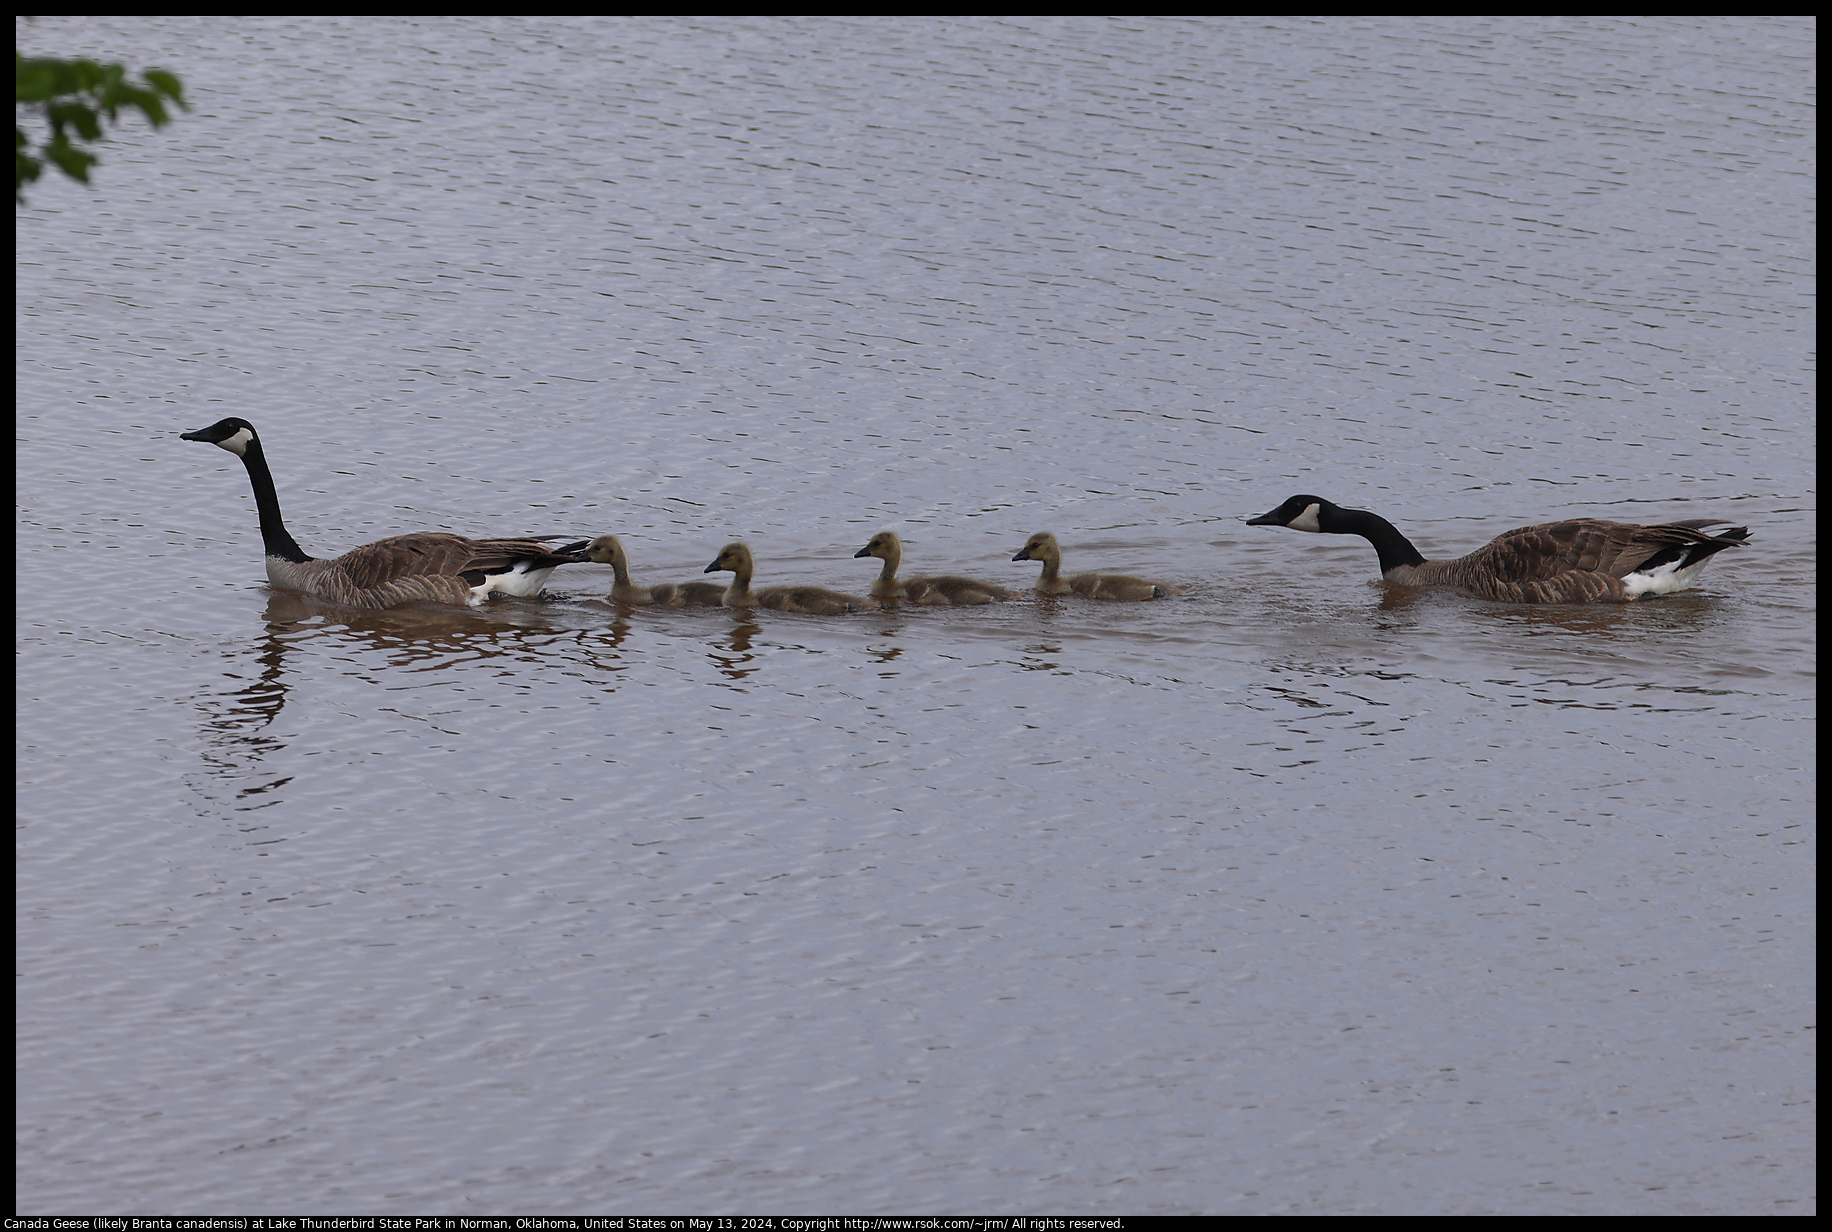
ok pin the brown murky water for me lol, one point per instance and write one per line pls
(1288, 895)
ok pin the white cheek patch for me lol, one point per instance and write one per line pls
(237, 444)
(1307, 520)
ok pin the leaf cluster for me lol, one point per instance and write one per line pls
(74, 97)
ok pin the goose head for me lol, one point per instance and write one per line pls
(604, 550)
(732, 558)
(1040, 546)
(884, 545)
(1300, 513)
(231, 434)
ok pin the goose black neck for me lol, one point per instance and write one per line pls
(1394, 548)
(274, 536)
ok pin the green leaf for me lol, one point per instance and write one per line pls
(34, 81)
(73, 97)
(71, 161)
(167, 84)
(79, 116)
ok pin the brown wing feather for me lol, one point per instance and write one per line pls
(495, 554)
(1535, 553)
(1579, 561)
(390, 560)
(1583, 545)
(434, 553)
(428, 567)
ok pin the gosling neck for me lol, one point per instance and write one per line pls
(738, 594)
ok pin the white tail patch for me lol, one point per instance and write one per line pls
(1667, 579)
(522, 579)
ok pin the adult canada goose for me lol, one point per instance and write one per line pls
(735, 558)
(1580, 561)
(427, 567)
(932, 591)
(608, 550)
(1042, 546)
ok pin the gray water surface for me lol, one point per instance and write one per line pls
(1290, 895)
